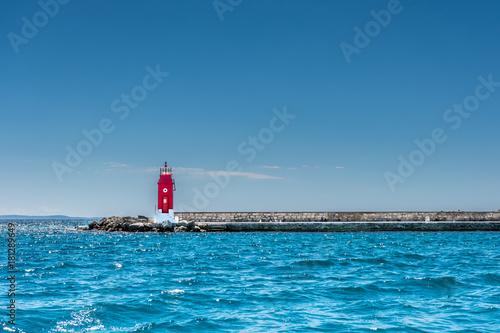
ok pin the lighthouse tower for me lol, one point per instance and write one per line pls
(166, 188)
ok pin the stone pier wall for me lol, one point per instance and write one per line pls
(335, 216)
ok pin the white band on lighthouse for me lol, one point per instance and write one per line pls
(166, 218)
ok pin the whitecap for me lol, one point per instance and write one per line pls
(173, 292)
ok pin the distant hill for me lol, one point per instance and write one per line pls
(53, 217)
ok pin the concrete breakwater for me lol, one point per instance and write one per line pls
(306, 221)
(337, 216)
(348, 226)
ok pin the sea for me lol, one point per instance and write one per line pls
(68, 280)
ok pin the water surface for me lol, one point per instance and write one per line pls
(80, 281)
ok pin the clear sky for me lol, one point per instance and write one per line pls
(257, 105)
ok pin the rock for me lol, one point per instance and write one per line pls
(136, 226)
(181, 229)
(167, 228)
(191, 225)
(196, 229)
(142, 219)
(126, 223)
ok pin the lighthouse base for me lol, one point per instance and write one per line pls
(167, 219)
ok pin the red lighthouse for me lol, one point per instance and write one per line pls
(166, 188)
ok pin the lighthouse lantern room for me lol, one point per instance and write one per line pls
(166, 188)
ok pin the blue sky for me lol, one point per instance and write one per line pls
(264, 86)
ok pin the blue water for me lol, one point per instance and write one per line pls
(80, 281)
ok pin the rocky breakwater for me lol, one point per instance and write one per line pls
(139, 224)
(191, 226)
(127, 223)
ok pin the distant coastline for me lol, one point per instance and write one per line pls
(44, 217)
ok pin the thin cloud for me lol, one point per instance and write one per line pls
(268, 167)
(115, 165)
(250, 175)
(339, 167)
(310, 166)
(199, 172)
(43, 210)
(190, 171)
(47, 210)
